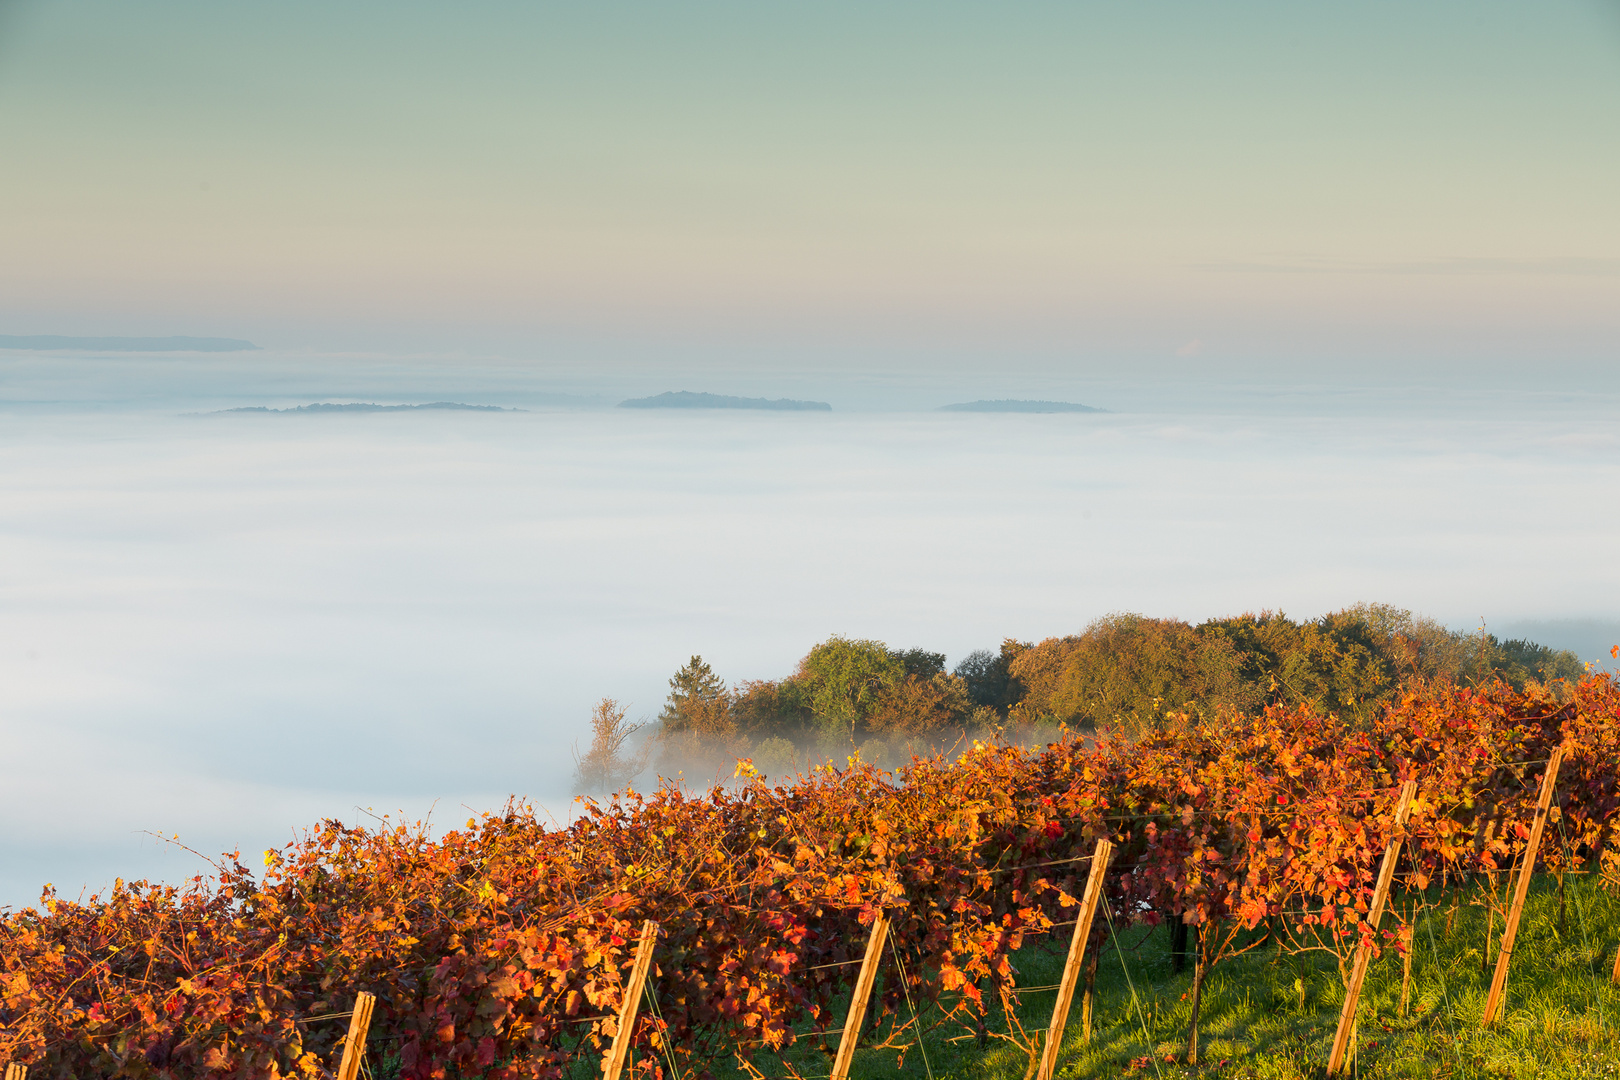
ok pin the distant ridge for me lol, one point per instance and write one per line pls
(685, 399)
(1009, 405)
(327, 406)
(49, 342)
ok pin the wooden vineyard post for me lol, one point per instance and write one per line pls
(1504, 950)
(613, 1060)
(1089, 902)
(1614, 976)
(354, 1046)
(862, 995)
(1358, 972)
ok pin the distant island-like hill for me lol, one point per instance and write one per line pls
(327, 406)
(685, 399)
(1008, 405)
(51, 342)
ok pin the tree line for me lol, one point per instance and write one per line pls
(1124, 672)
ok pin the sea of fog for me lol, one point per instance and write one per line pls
(226, 626)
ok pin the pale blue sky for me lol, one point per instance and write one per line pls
(1312, 182)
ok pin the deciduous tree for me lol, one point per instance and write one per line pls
(612, 760)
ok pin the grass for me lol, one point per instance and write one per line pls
(1269, 1014)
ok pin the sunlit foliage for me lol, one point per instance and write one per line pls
(500, 949)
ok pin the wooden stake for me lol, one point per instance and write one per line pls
(1504, 951)
(1614, 977)
(1490, 928)
(862, 995)
(16, 1072)
(354, 1045)
(613, 1060)
(1077, 952)
(1358, 972)
(1088, 997)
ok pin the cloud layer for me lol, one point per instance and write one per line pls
(228, 626)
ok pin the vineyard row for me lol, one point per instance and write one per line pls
(507, 948)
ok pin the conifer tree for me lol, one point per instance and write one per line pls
(698, 701)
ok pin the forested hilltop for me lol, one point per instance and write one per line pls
(1123, 671)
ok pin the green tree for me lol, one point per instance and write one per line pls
(842, 679)
(1143, 673)
(1129, 670)
(988, 677)
(921, 662)
(1519, 661)
(768, 708)
(1342, 663)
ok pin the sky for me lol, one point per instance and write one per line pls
(1346, 277)
(1249, 187)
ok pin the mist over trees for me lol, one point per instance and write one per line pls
(1123, 672)
(614, 756)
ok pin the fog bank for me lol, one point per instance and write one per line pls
(228, 626)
